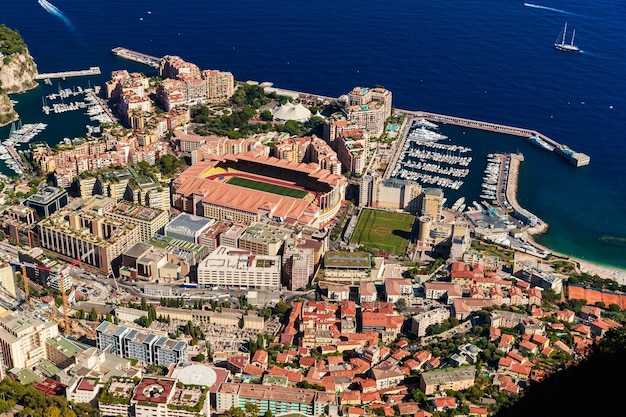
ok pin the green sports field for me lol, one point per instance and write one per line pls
(383, 231)
(269, 188)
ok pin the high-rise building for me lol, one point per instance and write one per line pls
(86, 233)
(7, 280)
(23, 339)
(432, 202)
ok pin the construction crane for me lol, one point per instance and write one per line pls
(25, 277)
(66, 317)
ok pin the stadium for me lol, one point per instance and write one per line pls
(248, 187)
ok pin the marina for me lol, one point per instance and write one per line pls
(424, 160)
(18, 135)
(578, 159)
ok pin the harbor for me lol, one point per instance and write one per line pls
(135, 56)
(578, 159)
(424, 160)
(19, 134)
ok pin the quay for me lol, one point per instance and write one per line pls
(537, 226)
(17, 158)
(65, 74)
(135, 56)
(577, 159)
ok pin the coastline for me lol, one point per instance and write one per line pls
(603, 271)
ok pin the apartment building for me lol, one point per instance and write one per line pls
(277, 399)
(229, 268)
(150, 221)
(23, 339)
(147, 348)
(84, 232)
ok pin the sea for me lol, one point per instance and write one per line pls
(482, 59)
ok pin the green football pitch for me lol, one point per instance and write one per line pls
(383, 231)
(269, 188)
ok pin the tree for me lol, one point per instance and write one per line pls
(93, 315)
(614, 307)
(267, 116)
(400, 304)
(68, 412)
(144, 305)
(268, 413)
(234, 412)
(199, 357)
(252, 409)
(281, 308)
(52, 411)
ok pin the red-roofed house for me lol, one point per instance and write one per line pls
(236, 364)
(599, 327)
(506, 342)
(260, 359)
(518, 371)
(562, 347)
(253, 370)
(477, 411)
(368, 385)
(494, 333)
(444, 403)
(566, 315)
(356, 412)
(540, 340)
(408, 408)
(422, 357)
(350, 398)
(528, 346)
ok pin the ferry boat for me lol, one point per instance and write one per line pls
(537, 141)
(567, 47)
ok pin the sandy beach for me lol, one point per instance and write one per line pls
(602, 271)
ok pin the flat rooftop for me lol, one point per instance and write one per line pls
(349, 260)
(46, 194)
(188, 224)
(135, 211)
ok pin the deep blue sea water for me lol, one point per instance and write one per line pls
(483, 59)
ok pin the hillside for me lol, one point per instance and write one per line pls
(17, 71)
(594, 387)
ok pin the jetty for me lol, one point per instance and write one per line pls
(66, 74)
(577, 159)
(135, 56)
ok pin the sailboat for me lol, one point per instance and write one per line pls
(567, 47)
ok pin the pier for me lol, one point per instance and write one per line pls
(66, 74)
(150, 60)
(577, 159)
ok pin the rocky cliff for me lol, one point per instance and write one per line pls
(17, 71)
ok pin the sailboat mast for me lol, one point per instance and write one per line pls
(573, 35)
(564, 33)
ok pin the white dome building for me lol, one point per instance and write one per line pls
(290, 111)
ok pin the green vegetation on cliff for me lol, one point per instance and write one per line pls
(592, 388)
(11, 42)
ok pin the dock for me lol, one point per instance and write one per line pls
(150, 60)
(66, 74)
(577, 159)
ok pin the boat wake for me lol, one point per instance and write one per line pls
(538, 6)
(54, 11)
